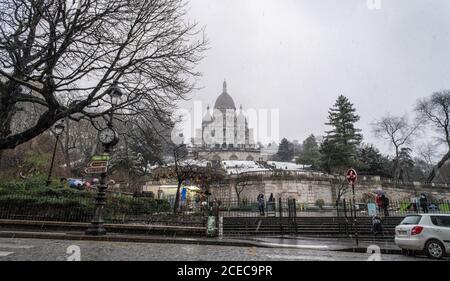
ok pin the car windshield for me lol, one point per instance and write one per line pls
(411, 220)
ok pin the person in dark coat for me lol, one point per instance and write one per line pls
(261, 204)
(423, 202)
(377, 226)
(385, 205)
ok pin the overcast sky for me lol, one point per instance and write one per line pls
(298, 56)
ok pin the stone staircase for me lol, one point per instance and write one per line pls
(331, 227)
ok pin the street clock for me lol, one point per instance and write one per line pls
(108, 136)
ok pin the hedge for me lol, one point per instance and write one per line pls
(23, 200)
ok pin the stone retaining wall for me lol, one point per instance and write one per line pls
(308, 188)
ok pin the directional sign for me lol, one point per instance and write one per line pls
(102, 157)
(98, 164)
(352, 176)
(95, 170)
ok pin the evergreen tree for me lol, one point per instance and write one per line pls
(371, 162)
(310, 155)
(406, 163)
(285, 151)
(340, 143)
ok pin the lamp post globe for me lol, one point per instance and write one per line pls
(58, 129)
(115, 94)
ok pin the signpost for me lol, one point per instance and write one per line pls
(97, 167)
(352, 176)
(95, 170)
(101, 157)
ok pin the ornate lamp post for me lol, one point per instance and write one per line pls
(59, 128)
(109, 138)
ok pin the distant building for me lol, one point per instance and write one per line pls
(225, 134)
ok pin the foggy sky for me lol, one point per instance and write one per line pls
(298, 56)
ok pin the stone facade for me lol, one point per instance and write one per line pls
(225, 134)
(228, 154)
(308, 190)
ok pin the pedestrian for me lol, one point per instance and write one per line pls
(377, 226)
(261, 204)
(423, 202)
(379, 202)
(271, 199)
(385, 205)
(216, 205)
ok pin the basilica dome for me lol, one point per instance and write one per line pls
(224, 101)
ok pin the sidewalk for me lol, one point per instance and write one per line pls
(118, 237)
(330, 244)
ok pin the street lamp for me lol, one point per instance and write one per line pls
(59, 128)
(109, 138)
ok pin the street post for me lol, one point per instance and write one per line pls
(351, 178)
(109, 138)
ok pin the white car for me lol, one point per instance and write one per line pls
(429, 233)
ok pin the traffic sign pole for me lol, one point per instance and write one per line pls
(352, 176)
(355, 221)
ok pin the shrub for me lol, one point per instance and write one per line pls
(26, 200)
(319, 203)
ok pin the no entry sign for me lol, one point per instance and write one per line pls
(352, 176)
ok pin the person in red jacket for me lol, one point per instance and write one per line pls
(379, 202)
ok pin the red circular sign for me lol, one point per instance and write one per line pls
(352, 176)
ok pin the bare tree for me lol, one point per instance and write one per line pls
(341, 186)
(427, 154)
(78, 144)
(435, 110)
(242, 180)
(398, 131)
(65, 55)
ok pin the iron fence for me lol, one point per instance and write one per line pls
(394, 208)
(254, 208)
(119, 209)
(286, 207)
(128, 209)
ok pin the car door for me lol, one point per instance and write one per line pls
(443, 225)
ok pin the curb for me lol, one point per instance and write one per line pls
(128, 238)
(11, 225)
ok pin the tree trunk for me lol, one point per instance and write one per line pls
(396, 165)
(438, 166)
(177, 197)
(7, 107)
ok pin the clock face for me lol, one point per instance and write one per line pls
(107, 136)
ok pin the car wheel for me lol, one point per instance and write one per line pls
(434, 249)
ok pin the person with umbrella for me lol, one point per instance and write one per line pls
(378, 199)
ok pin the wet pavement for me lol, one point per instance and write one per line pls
(61, 250)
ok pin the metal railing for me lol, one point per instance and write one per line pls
(394, 208)
(119, 209)
(283, 207)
